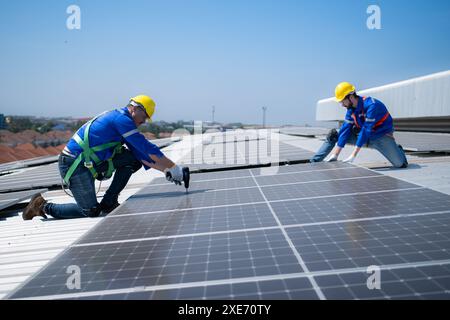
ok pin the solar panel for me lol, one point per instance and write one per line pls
(291, 288)
(418, 282)
(334, 188)
(361, 206)
(40, 177)
(306, 231)
(27, 163)
(167, 261)
(161, 143)
(298, 177)
(218, 175)
(243, 154)
(187, 221)
(304, 131)
(423, 142)
(234, 136)
(322, 166)
(233, 139)
(265, 171)
(9, 199)
(157, 200)
(359, 244)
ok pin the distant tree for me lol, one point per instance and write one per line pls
(151, 127)
(20, 124)
(44, 127)
(77, 125)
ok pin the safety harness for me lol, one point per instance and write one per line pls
(88, 155)
(379, 123)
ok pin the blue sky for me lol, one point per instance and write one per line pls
(238, 55)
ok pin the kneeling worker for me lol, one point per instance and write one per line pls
(97, 150)
(367, 122)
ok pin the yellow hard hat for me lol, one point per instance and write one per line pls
(147, 103)
(342, 90)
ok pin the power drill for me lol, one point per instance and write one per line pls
(186, 177)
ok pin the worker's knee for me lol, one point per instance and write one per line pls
(127, 160)
(399, 163)
(402, 165)
(135, 166)
(93, 211)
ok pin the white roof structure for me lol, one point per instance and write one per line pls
(422, 97)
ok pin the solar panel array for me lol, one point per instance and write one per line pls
(410, 141)
(46, 176)
(161, 143)
(423, 142)
(306, 231)
(215, 155)
(9, 199)
(304, 131)
(7, 167)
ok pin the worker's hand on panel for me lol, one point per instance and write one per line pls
(350, 159)
(332, 158)
(174, 174)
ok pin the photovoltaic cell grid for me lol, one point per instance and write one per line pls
(243, 153)
(423, 142)
(9, 199)
(361, 244)
(5, 167)
(161, 143)
(233, 136)
(410, 141)
(304, 131)
(192, 221)
(40, 177)
(230, 139)
(398, 283)
(309, 232)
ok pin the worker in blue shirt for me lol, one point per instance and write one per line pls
(367, 122)
(96, 151)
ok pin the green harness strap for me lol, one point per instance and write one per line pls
(89, 154)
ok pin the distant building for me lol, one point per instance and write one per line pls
(2, 122)
(60, 127)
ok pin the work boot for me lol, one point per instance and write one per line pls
(35, 208)
(107, 208)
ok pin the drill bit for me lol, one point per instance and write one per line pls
(186, 178)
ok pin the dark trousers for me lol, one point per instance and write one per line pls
(82, 186)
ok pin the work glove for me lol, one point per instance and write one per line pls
(350, 159)
(333, 158)
(174, 174)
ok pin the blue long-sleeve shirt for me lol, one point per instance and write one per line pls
(372, 116)
(116, 126)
